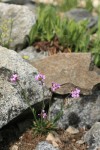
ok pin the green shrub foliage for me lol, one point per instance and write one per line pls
(70, 34)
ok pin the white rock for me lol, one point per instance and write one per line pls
(14, 147)
(72, 130)
(80, 142)
(53, 138)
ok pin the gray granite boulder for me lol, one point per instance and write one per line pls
(30, 4)
(45, 146)
(31, 54)
(19, 20)
(77, 112)
(80, 14)
(92, 137)
(12, 97)
(18, 2)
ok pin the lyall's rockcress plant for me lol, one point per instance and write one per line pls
(42, 124)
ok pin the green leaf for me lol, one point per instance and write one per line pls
(33, 34)
(97, 59)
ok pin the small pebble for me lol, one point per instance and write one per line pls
(72, 130)
(14, 147)
(80, 142)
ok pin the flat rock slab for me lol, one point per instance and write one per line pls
(70, 70)
(80, 14)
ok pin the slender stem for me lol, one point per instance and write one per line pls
(49, 107)
(43, 97)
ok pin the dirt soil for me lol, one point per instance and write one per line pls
(26, 141)
(52, 47)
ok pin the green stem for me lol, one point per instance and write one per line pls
(43, 97)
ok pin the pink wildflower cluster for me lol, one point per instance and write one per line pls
(43, 114)
(14, 78)
(40, 77)
(55, 86)
(75, 93)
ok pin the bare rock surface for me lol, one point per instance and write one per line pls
(92, 137)
(77, 112)
(70, 70)
(54, 2)
(12, 98)
(22, 21)
(80, 14)
(31, 54)
(45, 146)
(19, 2)
(30, 4)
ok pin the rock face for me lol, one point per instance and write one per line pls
(81, 112)
(54, 2)
(31, 54)
(80, 14)
(45, 146)
(22, 19)
(12, 98)
(30, 4)
(19, 2)
(68, 68)
(92, 137)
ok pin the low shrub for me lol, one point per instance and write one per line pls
(50, 26)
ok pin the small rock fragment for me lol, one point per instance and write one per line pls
(53, 138)
(80, 142)
(14, 147)
(72, 130)
(44, 145)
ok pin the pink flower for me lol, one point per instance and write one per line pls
(43, 114)
(75, 93)
(40, 77)
(14, 78)
(55, 86)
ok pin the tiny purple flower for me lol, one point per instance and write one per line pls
(43, 114)
(14, 78)
(40, 77)
(75, 93)
(55, 86)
